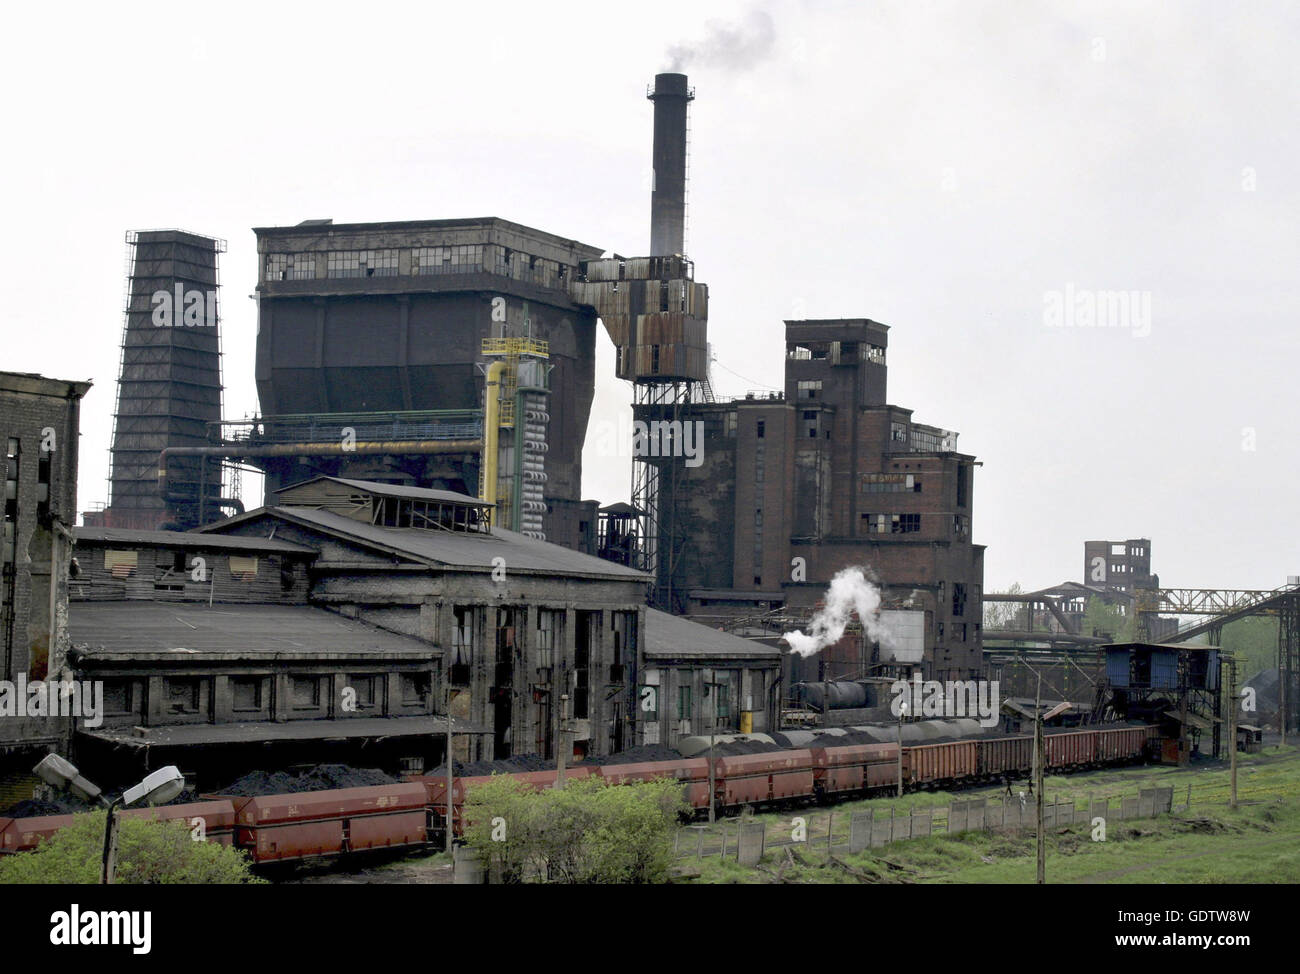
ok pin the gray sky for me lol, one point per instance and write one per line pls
(939, 167)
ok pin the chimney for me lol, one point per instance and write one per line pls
(670, 95)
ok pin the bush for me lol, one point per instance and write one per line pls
(589, 832)
(147, 852)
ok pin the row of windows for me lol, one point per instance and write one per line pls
(892, 523)
(450, 259)
(183, 695)
(835, 352)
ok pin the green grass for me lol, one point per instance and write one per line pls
(1258, 842)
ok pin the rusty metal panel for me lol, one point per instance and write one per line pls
(386, 831)
(276, 842)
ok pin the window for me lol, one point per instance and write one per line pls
(898, 432)
(458, 259)
(181, 696)
(723, 701)
(809, 389)
(415, 689)
(963, 484)
(958, 599)
(872, 353)
(548, 624)
(892, 523)
(118, 697)
(246, 693)
(43, 487)
(623, 625)
(366, 686)
(462, 645)
(277, 267)
(760, 429)
(304, 692)
(302, 267)
(684, 702)
(798, 353)
(960, 525)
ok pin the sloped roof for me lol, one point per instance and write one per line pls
(188, 539)
(396, 490)
(472, 550)
(668, 636)
(107, 630)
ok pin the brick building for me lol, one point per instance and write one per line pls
(796, 486)
(39, 422)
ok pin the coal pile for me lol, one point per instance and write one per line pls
(323, 777)
(68, 804)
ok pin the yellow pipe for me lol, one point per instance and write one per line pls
(491, 428)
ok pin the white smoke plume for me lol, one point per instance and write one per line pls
(730, 46)
(851, 591)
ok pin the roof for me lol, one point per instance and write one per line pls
(621, 507)
(396, 490)
(187, 539)
(736, 595)
(472, 550)
(38, 385)
(131, 629)
(186, 735)
(668, 636)
(315, 227)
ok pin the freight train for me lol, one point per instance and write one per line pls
(340, 822)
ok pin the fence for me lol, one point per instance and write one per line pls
(747, 841)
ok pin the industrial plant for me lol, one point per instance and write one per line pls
(423, 589)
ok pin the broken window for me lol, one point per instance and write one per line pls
(958, 599)
(181, 696)
(873, 353)
(798, 353)
(366, 687)
(809, 389)
(898, 432)
(760, 429)
(548, 625)
(462, 645)
(302, 267)
(415, 689)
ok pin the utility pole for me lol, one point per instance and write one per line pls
(1038, 773)
(712, 690)
(450, 782)
(902, 709)
(1231, 662)
(560, 747)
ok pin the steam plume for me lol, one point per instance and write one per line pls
(850, 592)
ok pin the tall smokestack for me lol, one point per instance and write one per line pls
(670, 95)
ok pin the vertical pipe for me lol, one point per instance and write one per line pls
(491, 429)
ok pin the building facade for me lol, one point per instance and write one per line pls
(39, 424)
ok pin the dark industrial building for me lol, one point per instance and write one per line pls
(795, 486)
(39, 423)
(374, 346)
(169, 385)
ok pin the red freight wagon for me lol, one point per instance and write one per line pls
(1005, 755)
(692, 772)
(854, 767)
(1075, 749)
(323, 823)
(218, 817)
(751, 778)
(25, 834)
(926, 763)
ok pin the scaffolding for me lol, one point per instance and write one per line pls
(169, 381)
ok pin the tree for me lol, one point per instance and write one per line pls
(588, 832)
(1108, 621)
(147, 852)
(1005, 615)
